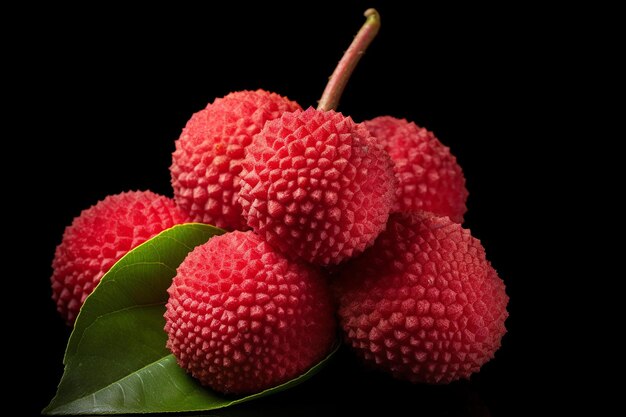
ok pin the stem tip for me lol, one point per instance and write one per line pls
(372, 14)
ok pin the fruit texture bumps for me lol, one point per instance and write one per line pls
(423, 303)
(207, 160)
(429, 177)
(99, 237)
(242, 318)
(317, 186)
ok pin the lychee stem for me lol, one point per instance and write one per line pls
(341, 75)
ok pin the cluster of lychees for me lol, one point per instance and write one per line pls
(380, 202)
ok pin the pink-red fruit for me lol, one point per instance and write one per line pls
(317, 186)
(207, 160)
(99, 237)
(242, 318)
(429, 177)
(423, 304)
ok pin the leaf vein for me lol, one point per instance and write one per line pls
(126, 377)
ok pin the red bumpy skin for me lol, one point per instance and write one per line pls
(207, 160)
(317, 186)
(429, 176)
(99, 237)
(423, 304)
(242, 318)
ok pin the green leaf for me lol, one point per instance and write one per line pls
(116, 360)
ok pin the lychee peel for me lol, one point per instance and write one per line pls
(429, 176)
(207, 160)
(242, 318)
(423, 303)
(99, 237)
(317, 186)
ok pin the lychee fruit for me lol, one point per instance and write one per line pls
(99, 237)
(317, 186)
(242, 318)
(207, 160)
(314, 184)
(423, 303)
(429, 176)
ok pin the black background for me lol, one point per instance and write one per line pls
(103, 97)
